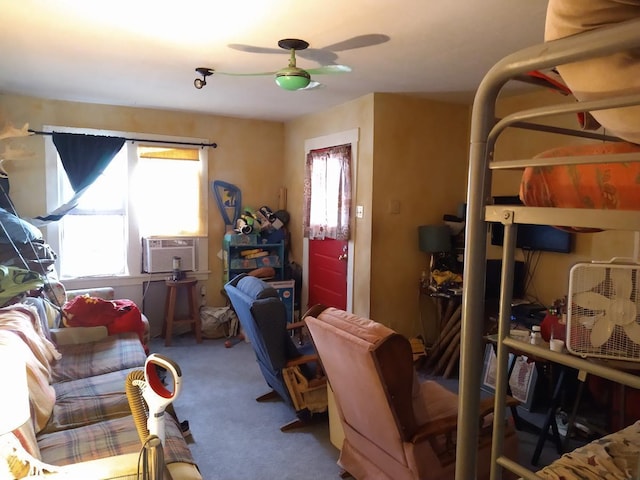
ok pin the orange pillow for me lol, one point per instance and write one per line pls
(613, 186)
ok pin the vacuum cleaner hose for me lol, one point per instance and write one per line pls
(138, 406)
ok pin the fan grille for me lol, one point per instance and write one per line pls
(596, 291)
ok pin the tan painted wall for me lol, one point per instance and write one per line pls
(412, 153)
(405, 144)
(356, 114)
(420, 173)
(551, 275)
(249, 154)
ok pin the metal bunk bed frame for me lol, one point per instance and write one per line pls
(484, 132)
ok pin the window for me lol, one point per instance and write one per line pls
(146, 190)
(166, 194)
(93, 235)
(327, 193)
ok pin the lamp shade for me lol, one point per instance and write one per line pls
(434, 238)
(14, 399)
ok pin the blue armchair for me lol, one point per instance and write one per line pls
(292, 371)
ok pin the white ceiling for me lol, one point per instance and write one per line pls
(143, 53)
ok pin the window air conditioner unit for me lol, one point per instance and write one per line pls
(158, 254)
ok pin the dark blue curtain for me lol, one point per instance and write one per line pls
(84, 158)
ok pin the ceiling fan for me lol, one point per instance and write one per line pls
(326, 55)
(290, 77)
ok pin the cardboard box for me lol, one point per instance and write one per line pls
(286, 292)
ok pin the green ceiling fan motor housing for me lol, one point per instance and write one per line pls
(292, 77)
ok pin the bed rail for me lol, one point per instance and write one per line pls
(484, 133)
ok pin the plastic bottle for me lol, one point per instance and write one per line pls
(424, 280)
(536, 336)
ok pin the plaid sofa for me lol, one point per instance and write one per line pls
(80, 412)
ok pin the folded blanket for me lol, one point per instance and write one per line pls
(24, 321)
(16, 281)
(613, 457)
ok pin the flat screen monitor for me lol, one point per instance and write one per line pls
(544, 238)
(494, 277)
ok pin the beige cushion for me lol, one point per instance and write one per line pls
(603, 77)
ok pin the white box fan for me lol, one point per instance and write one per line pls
(602, 316)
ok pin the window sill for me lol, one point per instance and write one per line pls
(124, 280)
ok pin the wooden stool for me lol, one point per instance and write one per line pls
(170, 309)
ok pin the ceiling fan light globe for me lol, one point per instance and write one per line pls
(292, 81)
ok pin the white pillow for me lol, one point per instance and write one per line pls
(605, 76)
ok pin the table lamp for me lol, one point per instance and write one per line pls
(434, 239)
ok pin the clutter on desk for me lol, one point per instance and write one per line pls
(445, 270)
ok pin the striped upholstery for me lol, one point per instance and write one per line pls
(89, 400)
(113, 353)
(107, 438)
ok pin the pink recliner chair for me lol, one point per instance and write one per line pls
(395, 427)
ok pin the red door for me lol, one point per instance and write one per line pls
(328, 273)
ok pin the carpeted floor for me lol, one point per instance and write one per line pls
(233, 436)
(236, 438)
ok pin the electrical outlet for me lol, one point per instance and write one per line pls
(359, 211)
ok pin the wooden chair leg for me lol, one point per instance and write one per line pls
(293, 424)
(169, 316)
(267, 396)
(194, 314)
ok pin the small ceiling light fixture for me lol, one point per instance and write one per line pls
(201, 82)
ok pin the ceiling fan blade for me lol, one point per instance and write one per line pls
(313, 85)
(253, 49)
(321, 57)
(621, 278)
(359, 41)
(258, 74)
(328, 69)
(601, 331)
(591, 300)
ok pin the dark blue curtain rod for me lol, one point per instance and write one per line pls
(212, 145)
